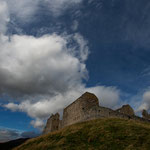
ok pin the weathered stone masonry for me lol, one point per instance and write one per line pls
(78, 110)
(86, 108)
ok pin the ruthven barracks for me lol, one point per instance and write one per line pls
(86, 108)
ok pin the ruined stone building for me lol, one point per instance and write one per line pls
(145, 114)
(86, 108)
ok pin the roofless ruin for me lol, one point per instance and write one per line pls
(86, 108)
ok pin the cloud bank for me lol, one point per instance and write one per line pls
(10, 134)
(7, 135)
(42, 108)
(145, 104)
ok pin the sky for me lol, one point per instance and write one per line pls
(52, 51)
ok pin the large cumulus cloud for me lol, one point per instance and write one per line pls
(30, 65)
(44, 74)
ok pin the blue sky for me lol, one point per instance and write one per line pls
(53, 51)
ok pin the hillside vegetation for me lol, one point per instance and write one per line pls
(101, 134)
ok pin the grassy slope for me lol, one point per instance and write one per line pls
(101, 134)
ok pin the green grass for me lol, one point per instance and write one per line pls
(101, 134)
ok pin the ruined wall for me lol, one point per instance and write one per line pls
(145, 114)
(126, 109)
(52, 124)
(103, 112)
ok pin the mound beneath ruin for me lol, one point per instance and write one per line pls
(101, 134)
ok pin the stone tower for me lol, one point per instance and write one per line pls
(76, 112)
(52, 124)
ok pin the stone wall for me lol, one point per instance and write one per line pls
(77, 111)
(86, 108)
(145, 114)
(126, 109)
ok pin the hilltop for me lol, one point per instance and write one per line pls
(100, 134)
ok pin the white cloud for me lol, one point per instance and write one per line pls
(26, 9)
(45, 73)
(45, 62)
(23, 9)
(145, 104)
(58, 6)
(42, 108)
(82, 46)
(40, 71)
(108, 96)
(37, 123)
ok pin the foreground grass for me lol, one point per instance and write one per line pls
(101, 134)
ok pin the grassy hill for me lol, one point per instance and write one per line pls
(101, 134)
